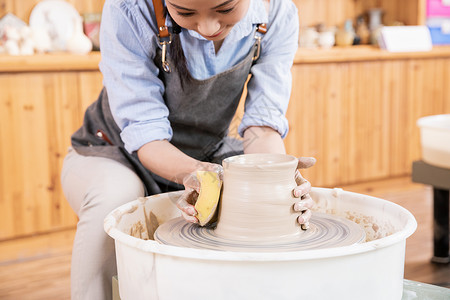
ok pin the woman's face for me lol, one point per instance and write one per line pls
(213, 19)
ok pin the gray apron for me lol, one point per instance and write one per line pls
(200, 114)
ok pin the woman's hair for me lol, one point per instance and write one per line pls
(177, 54)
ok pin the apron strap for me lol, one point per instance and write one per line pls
(160, 19)
(164, 36)
(261, 29)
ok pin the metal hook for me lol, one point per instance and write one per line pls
(258, 47)
(165, 64)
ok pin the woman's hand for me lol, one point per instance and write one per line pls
(191, 184)
(302, 191)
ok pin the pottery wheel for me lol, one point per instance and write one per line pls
(326, 231)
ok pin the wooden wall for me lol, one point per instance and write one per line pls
(335, 12)
(38, 113)
(359, 118)
(331, 12)
(23, 8)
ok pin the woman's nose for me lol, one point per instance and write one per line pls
(208, 27)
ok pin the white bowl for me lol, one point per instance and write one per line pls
(435, 140)
(371, 270)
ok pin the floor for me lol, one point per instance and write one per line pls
(47, 275)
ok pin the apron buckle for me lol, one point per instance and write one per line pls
(258, 48)
(164, 42)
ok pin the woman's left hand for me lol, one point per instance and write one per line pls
(301, 191)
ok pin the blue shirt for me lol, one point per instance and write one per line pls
(128, 46)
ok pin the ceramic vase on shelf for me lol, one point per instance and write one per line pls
(79, 43)
(362, 30)
(257, 201)
(375, 24)
(308, 38)
(326, 38)
(346, 35)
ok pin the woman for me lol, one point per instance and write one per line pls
(173, 74)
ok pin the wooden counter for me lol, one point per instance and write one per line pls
(50, 62)
(363, 53)
(71, 62)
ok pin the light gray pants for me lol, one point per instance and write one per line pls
(95, 186)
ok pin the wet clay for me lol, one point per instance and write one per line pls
(257, 201)
(256, 213)
(138, 230)
(325, 231)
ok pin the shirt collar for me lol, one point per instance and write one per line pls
(256, 14)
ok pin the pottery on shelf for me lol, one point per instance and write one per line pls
(327, 38)
(375, 24)
(362, 30)
(346, 35)
(308, 38)
(79, 43)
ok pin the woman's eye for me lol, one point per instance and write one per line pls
(185, 14)
(225, 11)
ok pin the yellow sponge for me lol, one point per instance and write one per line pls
(208, 198)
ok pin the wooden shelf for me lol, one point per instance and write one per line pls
(70, 62)
(50, 62)
(362, 53)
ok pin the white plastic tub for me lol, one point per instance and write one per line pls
(435, 140)
(371, 270)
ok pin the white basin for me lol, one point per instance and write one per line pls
(435, 140)
(371, 270)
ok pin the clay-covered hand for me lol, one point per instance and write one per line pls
(191, 184)
(302, 191)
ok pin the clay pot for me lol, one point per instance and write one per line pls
(346, 35)
(257, 201)
(327, 39)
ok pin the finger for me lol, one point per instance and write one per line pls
(216, 168)
(306, 162)
(305, 226)
(302, 189)
(304, 204)
(189, 218)
(212, 167)
(304, 217)
(183, 203)
(192, 182)
(299, 178)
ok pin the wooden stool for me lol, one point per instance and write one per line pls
(439, 178)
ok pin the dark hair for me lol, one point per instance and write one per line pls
(177, 54)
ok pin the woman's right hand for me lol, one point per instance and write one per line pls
(191, 184)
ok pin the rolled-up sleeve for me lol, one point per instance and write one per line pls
(270, 86)
(130, 76)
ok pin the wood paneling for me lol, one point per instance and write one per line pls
(335, 12)
(23, 8)
(311, 12)
(359, 118)
(38, 113)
